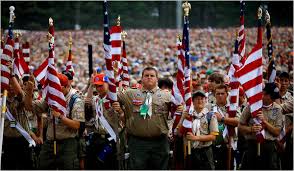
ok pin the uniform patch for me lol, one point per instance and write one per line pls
(275, 112)
(204, 126)
(137, 102)
(158, 95)
(138, 95)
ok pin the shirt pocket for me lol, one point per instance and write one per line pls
(159, 107)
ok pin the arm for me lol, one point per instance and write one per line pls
(203, 138)
(66, 121)
(227, 120)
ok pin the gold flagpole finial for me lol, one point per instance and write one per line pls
(50, 21)
(49, 36)
(187, 7)
(124, 35)
(17, 33)
(118, 21)
(236, 34)
(267, 17)
(70, 41)
(259, 13)
(179, 37)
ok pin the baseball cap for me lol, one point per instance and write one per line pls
(199, 93)
(100, 79)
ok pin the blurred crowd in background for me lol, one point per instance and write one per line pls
(211, 51)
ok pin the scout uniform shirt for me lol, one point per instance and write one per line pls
(286, 97)
(108, 113)
(272, 114)
(62, 131)
(223, 110)
(16, 107)
(202, 125)
(153, 126)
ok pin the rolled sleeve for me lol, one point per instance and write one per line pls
(78, 112)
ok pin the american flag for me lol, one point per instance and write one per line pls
(234, 85)
(112, 95)
(52, 87)
(187, 123)
(26, 52)
(178, 87)
(271, 70)
(20, 67)
(241, 33)
(2, 47)
(250, 77)
(41, 72)
(69, 66)
(115, 41)
(6, 57)
(125, 75)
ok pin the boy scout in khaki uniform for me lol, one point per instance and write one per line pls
(66, 131)
(16, 150)
(220, 109)
(146, 111)
(97, 134)
(205, 130)
(271, 116)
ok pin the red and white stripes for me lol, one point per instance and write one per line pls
(69, 67)
(241, 33)
(6, 57)
(20, 67)
(125, 74)
(115, 40)
(112, 95)
(26, 52)
(48, 74)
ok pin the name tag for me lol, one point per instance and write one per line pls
(12, 124)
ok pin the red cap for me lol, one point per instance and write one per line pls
(63, 79)
(100, 79)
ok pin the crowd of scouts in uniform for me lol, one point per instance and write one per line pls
(142, 122)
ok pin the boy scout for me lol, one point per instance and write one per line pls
(220, 110)
(214, 80)
(284, 87)
(271, 117)
(97, 134)
(66, 131)
(146, 111)
(205, 130)
(16, 150)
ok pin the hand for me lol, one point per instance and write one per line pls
(260, 116)
(39, 140)
(180, 109)
(116, 107)
(218, 116)
(88, 101)
(190, 136)
(256, 128)
(55, 113)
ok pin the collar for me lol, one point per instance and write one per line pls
(152, 90)
(267, 106)
(200, 114)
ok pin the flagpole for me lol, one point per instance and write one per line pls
(5, 93)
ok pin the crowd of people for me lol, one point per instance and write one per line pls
(137, 131)
(211, 49)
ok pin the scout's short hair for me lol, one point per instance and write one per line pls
(284, 75)
(165, 82)
(222, 86)
(150, 69)
(217, 78)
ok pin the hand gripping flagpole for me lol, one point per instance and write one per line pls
(4, 97)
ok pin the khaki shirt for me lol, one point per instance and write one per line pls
(109, 114)
(62, 131)
(17, 109)
(223, 110)
(272, 114)
(136, 125)
(206, 127)
(287, 97)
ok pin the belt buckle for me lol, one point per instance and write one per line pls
(102, 136)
